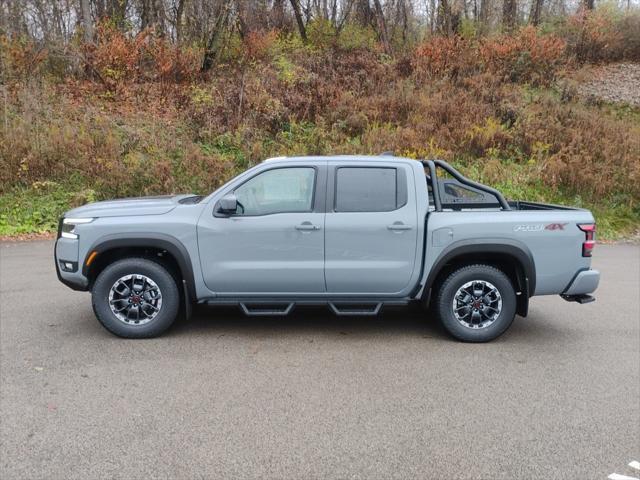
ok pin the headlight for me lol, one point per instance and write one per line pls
(69, 225)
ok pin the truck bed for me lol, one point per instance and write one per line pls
(523, 205)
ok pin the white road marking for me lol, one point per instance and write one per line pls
(616, 476)
(635, 464)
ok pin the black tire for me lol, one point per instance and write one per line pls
(169, 308)
(449, 288)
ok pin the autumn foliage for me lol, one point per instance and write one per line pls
(135, 114)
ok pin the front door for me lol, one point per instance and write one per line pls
(371, 229)
(274, 243)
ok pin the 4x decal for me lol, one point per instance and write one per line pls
(555, 226)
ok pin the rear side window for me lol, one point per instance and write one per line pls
(369, 189)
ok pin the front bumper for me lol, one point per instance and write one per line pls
(66, 253)
(584, 282)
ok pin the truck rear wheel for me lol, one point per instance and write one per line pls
(135, 298)
(476, 303)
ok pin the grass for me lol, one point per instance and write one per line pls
(36, 209)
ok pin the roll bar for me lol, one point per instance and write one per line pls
(434, 187)
(432, 164)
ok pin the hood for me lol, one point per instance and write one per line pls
(128, 207)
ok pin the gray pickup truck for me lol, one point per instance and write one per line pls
(354, 233)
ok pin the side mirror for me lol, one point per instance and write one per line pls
(228, 204)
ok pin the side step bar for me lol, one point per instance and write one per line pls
(581, 299)
(355, 309)
(351, 306)
(255, 310)
(283, 309)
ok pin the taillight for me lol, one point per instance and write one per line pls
(589, 243)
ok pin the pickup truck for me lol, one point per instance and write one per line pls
(354, 233)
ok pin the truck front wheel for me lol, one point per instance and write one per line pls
(135, 298)
(476, 303)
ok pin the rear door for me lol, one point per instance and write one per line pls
(371, 228)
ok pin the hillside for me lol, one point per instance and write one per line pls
(139, 117)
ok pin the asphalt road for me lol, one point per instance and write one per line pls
(315, 396)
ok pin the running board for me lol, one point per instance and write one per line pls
(581, 299)
(348, 306)
(266, 309)
(355, 309)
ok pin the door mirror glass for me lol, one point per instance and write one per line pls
(228, 204)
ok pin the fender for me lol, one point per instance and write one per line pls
(154, 240)
(498, 246)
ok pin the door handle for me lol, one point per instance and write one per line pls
(307, 227)
(399, 226)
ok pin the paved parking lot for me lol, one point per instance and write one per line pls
(315, 396)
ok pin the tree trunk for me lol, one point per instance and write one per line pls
(432, 15)
(241, 11)
(179, 14)
(588, 4)
(301, 28)
(87, 22)
(277, 14)
(363, 13)
(116, 11)
(457, 8)
(382, 26)
(213, 43)
(535, 12)
(485, 11)
(444, 17)
(509, 10)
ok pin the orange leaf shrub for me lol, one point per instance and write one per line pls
(259, 45)
(597, 35)
(446, 56)
(20, 58)
(118, 59)
(525, 56)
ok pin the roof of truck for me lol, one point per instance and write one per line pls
(362, 158)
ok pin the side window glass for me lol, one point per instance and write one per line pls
(368, 189)
(277, 191)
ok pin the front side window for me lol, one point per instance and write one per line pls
(277, 191)
(368, 189)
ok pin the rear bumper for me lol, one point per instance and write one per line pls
(584, 282)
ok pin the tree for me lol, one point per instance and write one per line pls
(382, 26)
(214, 37)
(509, 11)
(588, 4)
(152, 14)
(179, 19)
(535, 12)
(485, 12)
(295, 4)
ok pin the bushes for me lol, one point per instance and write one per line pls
(315, 103)
(142, 119)
(525, 56)
(586, 152)
(602, 35)
(117, 59)
(50, 137)
(20, 59)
